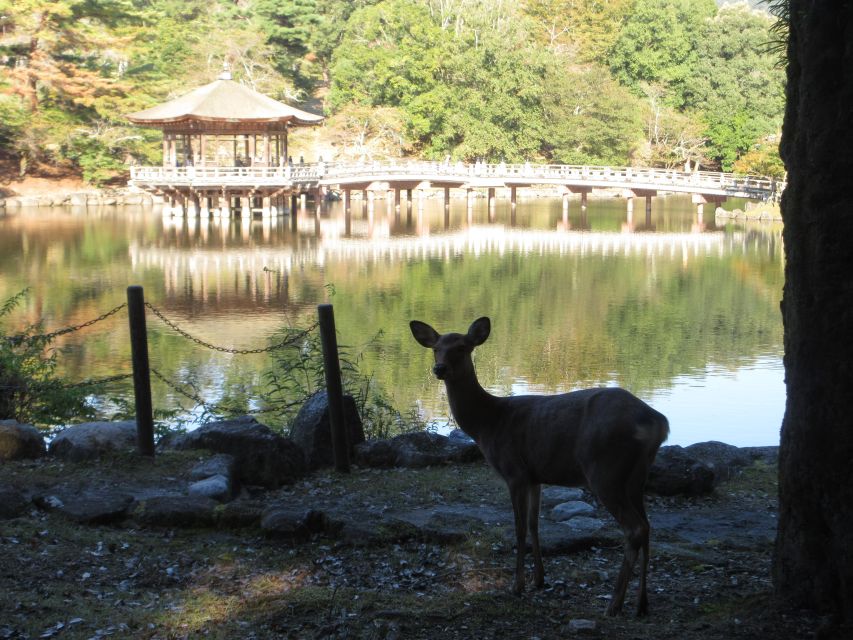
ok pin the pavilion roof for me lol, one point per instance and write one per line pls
(225, 101)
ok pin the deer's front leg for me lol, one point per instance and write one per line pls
(518, 493)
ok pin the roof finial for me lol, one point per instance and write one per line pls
(226, 71)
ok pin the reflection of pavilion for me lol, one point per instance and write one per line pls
(234, 138)
(209, 266)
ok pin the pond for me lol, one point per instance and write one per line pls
(682, 311)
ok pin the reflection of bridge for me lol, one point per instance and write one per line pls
(474, 241)
(211, 190)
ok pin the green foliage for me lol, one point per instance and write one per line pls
(737, 87)
(657, 45)
(762, 159)
(30, 390)
(573, 81)
(297, 373)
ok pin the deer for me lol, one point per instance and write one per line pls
(603, 438)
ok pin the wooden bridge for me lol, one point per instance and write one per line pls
(211, 190)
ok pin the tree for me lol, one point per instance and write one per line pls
(590, 118)
(657, 45)
(583, 29)
(737, 87)
(813, 562)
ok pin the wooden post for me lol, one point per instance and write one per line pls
(334, 388)
(141, 370)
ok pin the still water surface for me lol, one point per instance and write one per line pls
(682, 312)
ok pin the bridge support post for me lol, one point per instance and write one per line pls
(469, 195)
(265, 207)
(446, 199)
(293, 199)
(396, 200)
(409, 199)
(583, 201)
(491, 198)
(246, 207)
(303, 201)
(513, 197)
(648, 206)
(346, 197)
(224, 206)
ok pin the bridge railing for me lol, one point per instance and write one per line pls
(305, 174)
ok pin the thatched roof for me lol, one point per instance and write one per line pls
(223, 100)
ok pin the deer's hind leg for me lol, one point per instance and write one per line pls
(620, 500)
(534, 494)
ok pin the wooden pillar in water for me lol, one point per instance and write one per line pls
(513, 197)
(446, 199)
(396, 199)
(246, 206)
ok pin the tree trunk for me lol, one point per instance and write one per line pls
(813, 563)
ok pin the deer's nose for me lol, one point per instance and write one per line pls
(440, 370)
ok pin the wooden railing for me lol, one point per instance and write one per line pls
(474, 175)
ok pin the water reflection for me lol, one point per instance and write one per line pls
(578, 297)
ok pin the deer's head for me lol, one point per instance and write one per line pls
(452, 351)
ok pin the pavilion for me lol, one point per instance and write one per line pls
(220, 142)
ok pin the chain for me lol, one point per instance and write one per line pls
(18, 339)
(289, 341)
(191, 396)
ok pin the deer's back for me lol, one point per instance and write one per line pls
(554, 439)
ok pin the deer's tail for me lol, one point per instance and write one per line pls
(653, 432)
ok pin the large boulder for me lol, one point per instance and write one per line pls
(424, 448)
(417, 449)
(94, 439)
(13, 503)
(20, 441)
(676, 472)
(312, 430)
(262, 457)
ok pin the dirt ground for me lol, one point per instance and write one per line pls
(59, 579)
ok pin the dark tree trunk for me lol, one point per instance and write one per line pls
(813, 563)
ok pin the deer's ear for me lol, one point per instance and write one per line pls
(424, 334)
(479, 330)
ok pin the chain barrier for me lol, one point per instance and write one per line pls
(280, 345)
(20, 338)
(195, 397)
(98, 381)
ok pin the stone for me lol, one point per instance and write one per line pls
(239, 514)
(89, 507)
(578, 533)
(176, 511)
(13, 503)
(219, 464)
(567, 510)
(425, 448)
(93, 439)
(581, 625)
(20, 441)
(376, 454)
(312, 431)
(78, 199)
(676, 472)
(292, 523)
(217, 487)
(262, 457)
(724, 459)
(554, 495)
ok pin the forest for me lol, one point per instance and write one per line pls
(664, 83)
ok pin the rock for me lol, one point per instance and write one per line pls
(13, 503)
(239, 514)
(78, 199)
(724, 459)
(89, 507)
(292, 523)
(581, 532)
(424, 448)
(377, 454)
(20, 441)
(554, 495)
(262, 457)
(580, 626)
(176, 511)
(219, 464)
(311, 429)
(767, 455)
(567, 510)
(217, 487)
(675, 472)
(93, 439)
